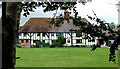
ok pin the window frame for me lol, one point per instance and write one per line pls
(78, 40)
(79, 34)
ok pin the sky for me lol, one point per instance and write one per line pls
(105, 9)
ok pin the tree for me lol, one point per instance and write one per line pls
(112, 25)
(118, 26)
(9, 27)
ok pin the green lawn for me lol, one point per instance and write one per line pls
(63, 57)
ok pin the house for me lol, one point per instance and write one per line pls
(39, 29)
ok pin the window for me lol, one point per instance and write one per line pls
(19, 34)
(52, 34)
(43, 34)
(25, 34)
(57, 34)
(78, 34)
(22, 41)
(68, 41)
(61, 33)
(91, 40)
(26, 41)
(78, 40)
(38, 34)
(44, 41)
(52, 41)
(34, 41)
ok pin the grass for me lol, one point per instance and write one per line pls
(64, 57)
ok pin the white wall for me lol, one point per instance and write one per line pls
(49, 40)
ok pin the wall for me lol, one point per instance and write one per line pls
(48, 38)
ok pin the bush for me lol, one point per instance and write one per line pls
(72, 46)
(33, 46)
(65, 45)
(82, 46)
(59, 42)
(18, 46)
(54, 44)
(43, 44)
(46, 45)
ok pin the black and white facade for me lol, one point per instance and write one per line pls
(48, 37)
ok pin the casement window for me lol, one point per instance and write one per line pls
(68, 41)
(26, 41)
(78, 40)
(43, 34)
(52, 34)
(43, 41)
(22, 41)
(38, 34)
(57, 34)
(61, 33)
(79, 34)
(34, 41)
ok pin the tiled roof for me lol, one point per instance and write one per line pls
(107, 31)
(42, 25)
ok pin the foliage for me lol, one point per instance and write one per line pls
(33, 46)
(65, 45)
(59, 42)
(18, 46)
(54, 44)
(82, 46)
(102, 26)
(43, 44)
(118, 26)
(112, 25)
(20, 27)
(72, 46)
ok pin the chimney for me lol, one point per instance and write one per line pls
(66, 14)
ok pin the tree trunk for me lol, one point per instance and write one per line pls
(9, 28)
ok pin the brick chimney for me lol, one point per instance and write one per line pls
(66, 14)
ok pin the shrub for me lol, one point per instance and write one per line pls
(72, 46)
(46, 45)
(43, 44)
(33, 46)
(18, 46)
(59, 42)
(65, 45)
(54, 44)
(82, 46)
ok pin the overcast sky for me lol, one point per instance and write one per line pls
(105, 9)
